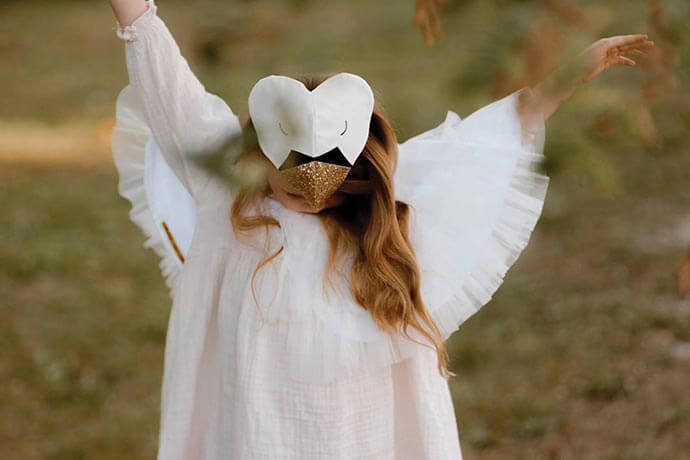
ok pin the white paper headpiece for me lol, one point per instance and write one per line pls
(287, 116)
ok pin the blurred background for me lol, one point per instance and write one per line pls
(584, 352)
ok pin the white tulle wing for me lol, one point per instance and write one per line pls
(476, 194)
(161, 206)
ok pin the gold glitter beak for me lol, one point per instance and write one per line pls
(315, 180)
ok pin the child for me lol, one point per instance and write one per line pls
(310, 306)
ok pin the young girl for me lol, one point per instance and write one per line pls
(311, 305)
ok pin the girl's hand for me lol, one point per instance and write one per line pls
(601, 55)
(608, 52)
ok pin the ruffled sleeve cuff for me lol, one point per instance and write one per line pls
(129, 33)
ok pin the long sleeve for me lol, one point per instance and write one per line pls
(183, 117)
(163, 116)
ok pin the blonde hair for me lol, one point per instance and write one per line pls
(370, 224)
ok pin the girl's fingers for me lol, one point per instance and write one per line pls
(626, 42)
(635, 52)
(622, 60)
(622, 40)
(644, 45)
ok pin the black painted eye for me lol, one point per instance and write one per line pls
(345, 130)
(281, 128)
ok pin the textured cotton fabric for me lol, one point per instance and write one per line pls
(307, 374)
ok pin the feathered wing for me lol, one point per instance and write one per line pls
(476, 194)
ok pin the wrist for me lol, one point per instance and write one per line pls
(127, 11)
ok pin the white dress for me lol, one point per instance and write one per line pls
(309, 376)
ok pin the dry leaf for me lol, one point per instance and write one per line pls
(683, 276)
(427, 19)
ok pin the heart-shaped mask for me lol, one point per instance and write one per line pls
(289, 118)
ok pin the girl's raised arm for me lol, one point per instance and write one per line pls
(182, 116)
(603, 54)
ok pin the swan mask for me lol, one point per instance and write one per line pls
(312, 137)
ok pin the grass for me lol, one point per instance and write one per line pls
(577, 356)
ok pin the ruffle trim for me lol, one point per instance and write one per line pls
(129, 33)
(130, 136)
(517, 219)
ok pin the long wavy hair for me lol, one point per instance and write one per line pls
(370, 224)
